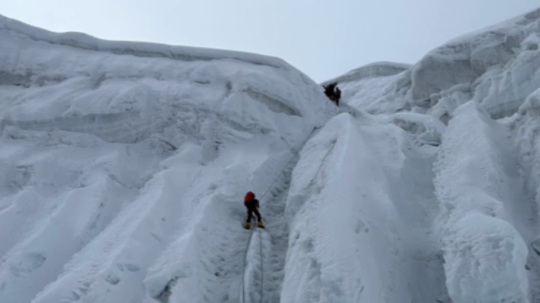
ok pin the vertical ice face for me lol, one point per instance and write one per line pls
(484, 253)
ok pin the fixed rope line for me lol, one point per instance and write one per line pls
(262, 268)
(244, 265)
(254, 227)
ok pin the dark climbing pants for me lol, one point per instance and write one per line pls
(250, 211)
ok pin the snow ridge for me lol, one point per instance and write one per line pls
(373, 70)
(145, 50)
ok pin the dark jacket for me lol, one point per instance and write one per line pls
(252, 203)
(329, 90)
(337, 93)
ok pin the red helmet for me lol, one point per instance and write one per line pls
(249, 196)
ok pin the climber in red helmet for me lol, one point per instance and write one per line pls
(252, 206)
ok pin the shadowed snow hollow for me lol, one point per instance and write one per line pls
(126, 162)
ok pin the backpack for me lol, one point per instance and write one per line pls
(249, 196)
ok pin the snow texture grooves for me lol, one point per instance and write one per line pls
(266, 249)
(210, 263)
(252, 280)
(273, 103)
(121, 127)
(274, 239)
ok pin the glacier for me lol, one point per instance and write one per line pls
(124, 167)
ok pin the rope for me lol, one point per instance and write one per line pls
(262, 268)
(245, 261)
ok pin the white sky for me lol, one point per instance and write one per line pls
(324, 39)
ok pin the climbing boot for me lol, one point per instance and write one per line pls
(248, 225)
(260, 224)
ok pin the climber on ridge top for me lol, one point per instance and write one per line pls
(252, 206)
(333, 92)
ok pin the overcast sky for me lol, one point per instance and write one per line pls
(322, 38)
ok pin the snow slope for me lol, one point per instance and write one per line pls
(125, 165)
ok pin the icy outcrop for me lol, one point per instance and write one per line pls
(475, 180)
(497, 67)
(524, 128)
